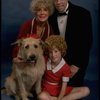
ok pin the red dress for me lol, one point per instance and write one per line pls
(28, 29)
(55, 76)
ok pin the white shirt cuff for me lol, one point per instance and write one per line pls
(65, 79)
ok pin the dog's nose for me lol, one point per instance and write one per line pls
(32, 57)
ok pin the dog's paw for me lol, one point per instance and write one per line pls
(17, 97)
(3, 90)
(30, 94)
(25, 99)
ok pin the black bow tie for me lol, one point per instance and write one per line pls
(62, 14)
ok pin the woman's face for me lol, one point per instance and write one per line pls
(42, 14)
(55, 55)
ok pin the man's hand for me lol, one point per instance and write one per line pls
(74, 70)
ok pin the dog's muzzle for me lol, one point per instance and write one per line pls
(32, 58)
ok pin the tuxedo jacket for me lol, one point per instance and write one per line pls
(78, 37)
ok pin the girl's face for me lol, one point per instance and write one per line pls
(42, 14)
(55, 55)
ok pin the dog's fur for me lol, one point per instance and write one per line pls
(28, 73)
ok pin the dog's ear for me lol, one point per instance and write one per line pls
(18, 42)
(43, 44)
(44, 47)
(14, 43)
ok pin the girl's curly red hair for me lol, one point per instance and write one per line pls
(58, 42)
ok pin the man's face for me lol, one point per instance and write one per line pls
(60, 5)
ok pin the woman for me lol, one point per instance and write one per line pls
(39, 26)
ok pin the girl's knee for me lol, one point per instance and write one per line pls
(86, 91)
(43, 96)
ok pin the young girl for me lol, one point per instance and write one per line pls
(57, 75)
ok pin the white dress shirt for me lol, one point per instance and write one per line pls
(62, 22)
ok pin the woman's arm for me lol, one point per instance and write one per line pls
(62, 92)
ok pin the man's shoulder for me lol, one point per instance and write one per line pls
(77, 8)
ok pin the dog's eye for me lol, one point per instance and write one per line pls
(27, 46)
(35, 46)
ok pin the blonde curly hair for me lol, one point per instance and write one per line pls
(58, 42)
(37, 4)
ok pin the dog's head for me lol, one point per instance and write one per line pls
(30, 49)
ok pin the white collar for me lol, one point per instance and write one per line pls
(66, 8)
(58, 67)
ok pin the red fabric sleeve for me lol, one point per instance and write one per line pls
(66, 71)
(25, 29)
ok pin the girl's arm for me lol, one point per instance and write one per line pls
(62, 92)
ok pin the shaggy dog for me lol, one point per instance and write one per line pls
(28, 72)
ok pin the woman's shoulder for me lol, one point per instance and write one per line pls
(26, 24)
(29, 21)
